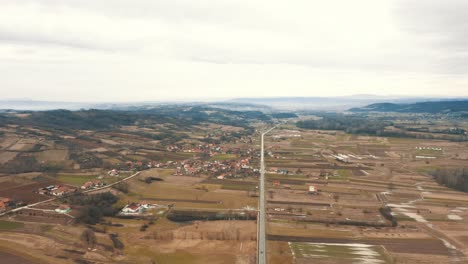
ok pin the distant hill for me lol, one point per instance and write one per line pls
(94, 119)
(337, 103)
(420, 107)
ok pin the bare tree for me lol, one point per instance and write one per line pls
(89, 238)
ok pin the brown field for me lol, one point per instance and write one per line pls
(186, 191)
(52, 155)
(23, 145)
(392, 176)
(6, 156)
(8, 141)
(383, 172)
(26, 193)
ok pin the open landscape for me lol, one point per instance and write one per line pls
(373, 192)
(154, 193)
(233, 132)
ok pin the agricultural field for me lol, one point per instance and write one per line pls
(338, 253)
(188, 193)
(372, 199)
(76, 180)
(6, 156)
(196, 180)
(53, 155)
(8, 225)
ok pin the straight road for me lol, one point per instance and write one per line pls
(261, 240)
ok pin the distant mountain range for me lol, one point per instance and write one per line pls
(337, 103)
(419, 107)
(265, 104)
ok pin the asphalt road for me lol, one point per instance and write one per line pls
(261, 247)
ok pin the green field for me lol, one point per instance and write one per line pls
(224, 157)
(76, 179)
(344, 173)
(7, 225)
(238, 187)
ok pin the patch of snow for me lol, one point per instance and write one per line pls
(313, 255)
(416, 217)
(356, 245)
(400, 205)
(448, 245)
(366, 253)
(425, 157)
(368, 261)
(454, 217)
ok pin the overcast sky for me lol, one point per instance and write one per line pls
(149, 50)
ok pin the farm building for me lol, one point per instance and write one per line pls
(4, 202)
(135, 209)
(113, 172)
(342, 158)
(62, 190)
(282, 171)
(63, 209)
(56, 190)
(92, 184)
(312, 190)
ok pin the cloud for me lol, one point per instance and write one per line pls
(149, 48)
(441, 27)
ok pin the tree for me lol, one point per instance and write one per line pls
(336, 197)
(90, 215)
(116, 241)
(89, 238)
(122, 186)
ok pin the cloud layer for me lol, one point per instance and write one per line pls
(90, 50)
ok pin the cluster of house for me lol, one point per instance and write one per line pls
(56, 190)
(218, 168)
(113, 173)
(210, 149)
(136, 209)
(93, 184)
(196, 166)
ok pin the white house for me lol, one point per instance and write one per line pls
(131, 209)
(312, 190)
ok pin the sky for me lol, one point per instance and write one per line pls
(152, 50)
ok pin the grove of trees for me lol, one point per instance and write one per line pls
(455, 178)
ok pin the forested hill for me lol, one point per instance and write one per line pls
(178, 116)
(422, 107)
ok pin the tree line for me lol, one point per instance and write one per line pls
(455, 178)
